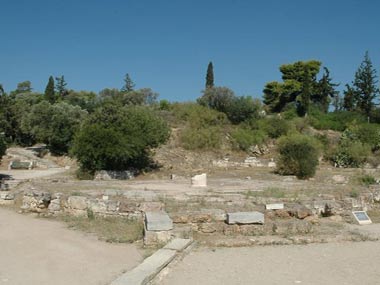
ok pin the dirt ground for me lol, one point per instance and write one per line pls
(333, 263)
(40, 251)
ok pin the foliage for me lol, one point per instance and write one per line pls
(275, 127)
(204, 126)
(217, 98)
(129, 85)
(298, 155)
(86, 100)
(350, 155)
(210, 76)
(54, 125)
(243, 108)
(367, 180)
(244, 138)
(365, 85)
(49, 91)
(61, 86)
(300, 86)
(118, 138)
(337, 121)
(3, 146)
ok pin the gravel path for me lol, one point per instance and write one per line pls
(39, 251)
(344, 263)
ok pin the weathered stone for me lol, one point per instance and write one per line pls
(156, 237)
(199, 180)
(314, 219)
(17, 164)
(77, 202)
(144, 272)
(245, 218)
(276, 206)
(36, 201)
(303, 212)
(336, 218)
(7, 196)
(283, 214)
(272, 164)
(207, 228)
(55, 205)
(252, 162)
(339, 179)
(128, 207)
(158, 221)
(109, 175)
(151, 206)
(178, 244)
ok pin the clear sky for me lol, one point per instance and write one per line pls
(166, 45)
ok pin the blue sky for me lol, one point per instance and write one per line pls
(166, 45)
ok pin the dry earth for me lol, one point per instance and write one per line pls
(333, 263)
(40, 251)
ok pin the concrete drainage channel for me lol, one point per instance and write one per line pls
(152, 265)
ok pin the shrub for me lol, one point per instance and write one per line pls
(367, 134)
(367, 180)
(275, 127)
(337, 121)
(217, 98)
(118, 138)
(298, 155)
(243, 108)
(243, 138)
(201, 138)
(351, 155)
(3, 146)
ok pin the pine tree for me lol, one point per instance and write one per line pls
(325, 91)
(350, 98)
(129, 85)
(49, 91)
(365, 85)
(61, 86)
(210, 76)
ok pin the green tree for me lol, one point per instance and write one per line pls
(61, 86)
(54, 125)
(217, 98)
(3, 145)
(350, 98)
(326, 91)
(118, 138)
(298, 87)
(49, 91)
(129, 85)
(23, 87)
(365, 85)
(210, 76)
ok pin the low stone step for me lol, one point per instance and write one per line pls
(158, 221)
(245, 218)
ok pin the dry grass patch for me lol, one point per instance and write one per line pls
(110, 229)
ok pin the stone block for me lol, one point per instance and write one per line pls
(152, 238)
(245, 218)
(178, 244)
(275, 206)
(77, 202)
(158, 221)
(199, 180)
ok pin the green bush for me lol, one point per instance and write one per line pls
(367, 134)
(201, 138)
(298, 155)
(198, 116)
(354, 154)
(337, 121)
(243, 138)
(3, 146)
(118, 138)
(275, 127)
(367, 180)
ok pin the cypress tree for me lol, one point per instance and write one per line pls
(49, 91)
(210, 76)
(365, 85)
(129, 85)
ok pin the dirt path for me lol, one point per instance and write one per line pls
(345, 263)
(38, 251)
